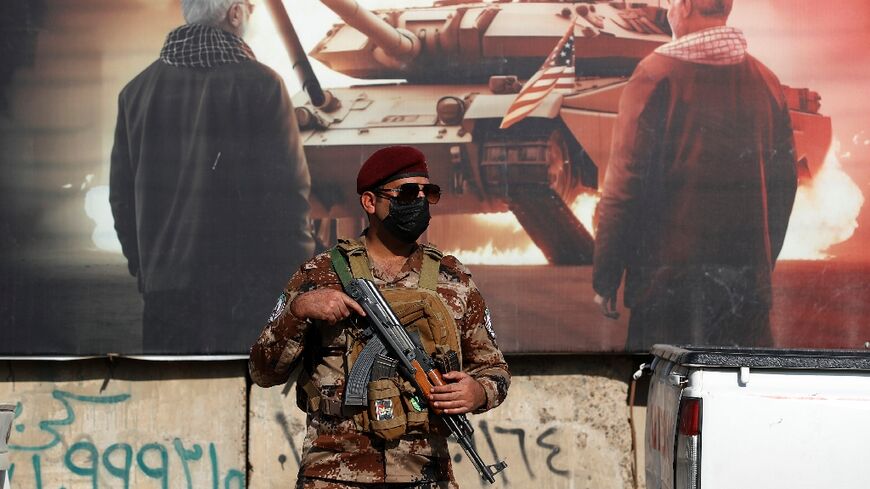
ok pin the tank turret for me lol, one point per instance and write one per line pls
(392, 47)
(473, 41)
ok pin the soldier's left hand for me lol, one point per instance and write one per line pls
(463, 394)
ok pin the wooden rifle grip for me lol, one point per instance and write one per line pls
(435, 377)
(426, 380)
(422, 379)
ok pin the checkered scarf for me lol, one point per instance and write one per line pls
(202, 46)
(718, 46)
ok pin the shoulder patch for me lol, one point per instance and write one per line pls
(279, 307)
(487, 323)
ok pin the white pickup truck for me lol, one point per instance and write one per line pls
(728, 418)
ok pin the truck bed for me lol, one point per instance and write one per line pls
(768, 418)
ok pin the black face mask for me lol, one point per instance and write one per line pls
(408, 221)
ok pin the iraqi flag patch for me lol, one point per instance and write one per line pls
(279, 307)
(487, 323)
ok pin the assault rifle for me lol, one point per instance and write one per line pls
(389, 336)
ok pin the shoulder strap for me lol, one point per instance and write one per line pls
(339, 264)
(431, 266)
(356, 254)
(359, 263)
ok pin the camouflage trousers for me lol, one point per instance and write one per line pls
(315, 483)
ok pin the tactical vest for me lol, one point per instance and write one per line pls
(393, 407)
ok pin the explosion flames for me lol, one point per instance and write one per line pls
(825, 213)
(522, 251)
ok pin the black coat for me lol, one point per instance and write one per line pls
(209, 183)
(697, 196)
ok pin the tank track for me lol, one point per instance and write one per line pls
(551, 224)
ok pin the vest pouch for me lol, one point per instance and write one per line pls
(424, 312)
(386, 413)
(418, 415)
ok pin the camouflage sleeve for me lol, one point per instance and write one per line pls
(279, 347)
(481, 357)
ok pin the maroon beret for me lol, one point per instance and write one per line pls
(391, 163)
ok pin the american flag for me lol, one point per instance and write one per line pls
(557, 73)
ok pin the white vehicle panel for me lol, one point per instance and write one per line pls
(785, 429)
(769, 419)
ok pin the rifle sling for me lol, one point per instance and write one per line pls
(339, 264)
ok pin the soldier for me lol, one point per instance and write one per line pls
(390, 443)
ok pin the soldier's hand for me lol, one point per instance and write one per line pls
(328, 305)
(608, 306)
(463, 394)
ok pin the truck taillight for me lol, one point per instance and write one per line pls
(690, 416)
(688, 449)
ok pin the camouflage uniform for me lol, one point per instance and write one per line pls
(334, 449)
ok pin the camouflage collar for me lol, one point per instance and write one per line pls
(412, 264)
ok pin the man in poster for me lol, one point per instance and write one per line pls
(698, 190)
(209, 185)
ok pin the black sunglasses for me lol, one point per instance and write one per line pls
(409, 192)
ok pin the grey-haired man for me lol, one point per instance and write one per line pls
(209, 185)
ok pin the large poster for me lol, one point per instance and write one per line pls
(519, 204)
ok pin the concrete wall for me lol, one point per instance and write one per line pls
(130, 423)
(92, 423)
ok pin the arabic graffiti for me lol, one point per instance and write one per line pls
(539, 449)
(550, 449)
(51, 453)
(554, 450)
(50, 426)
(118, 460)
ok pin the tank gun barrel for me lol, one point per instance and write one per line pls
(398, 44)
(298, 58)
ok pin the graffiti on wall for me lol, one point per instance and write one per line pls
(116, 464)
(540, 449)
